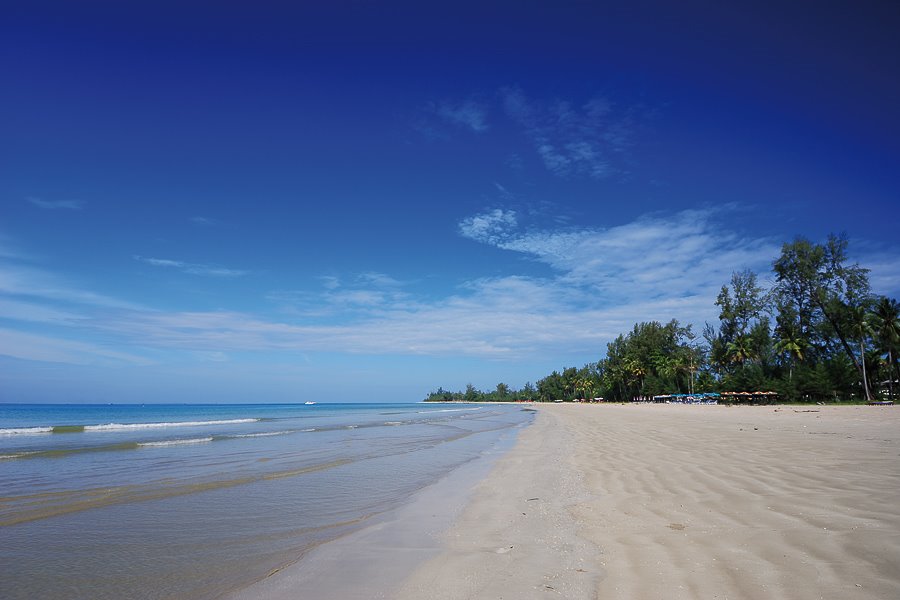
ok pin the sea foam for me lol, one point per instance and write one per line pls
(120, 426)
(25, 430)
(175, 442)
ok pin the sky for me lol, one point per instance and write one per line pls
(364, 201)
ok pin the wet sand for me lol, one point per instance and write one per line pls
(681, 502)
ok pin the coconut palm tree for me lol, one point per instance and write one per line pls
(739, 350)
(586, 385)
(791, 345)
(637, 370)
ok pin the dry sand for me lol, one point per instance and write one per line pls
(682, 502)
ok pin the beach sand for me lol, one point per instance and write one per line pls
(681, 502)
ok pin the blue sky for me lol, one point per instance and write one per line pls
(219, 202)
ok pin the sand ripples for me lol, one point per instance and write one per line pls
(740, 502)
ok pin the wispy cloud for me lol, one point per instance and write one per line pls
(491, 227)
(212, 356)
(56, 204)
(468, 113)
(36, 312)
(441, 120)
(30, 346)
(49, 318)
(656, 256)
(192, 268)
(597, 284)
(30, 282)
(203, 221)
(588, 140)
(658, 267)
(358, 296)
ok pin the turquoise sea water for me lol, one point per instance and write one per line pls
(189, 501)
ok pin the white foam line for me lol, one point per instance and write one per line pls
(25, 430)
(11, 456)
(119, 426)
(176, 442)
(263, 434)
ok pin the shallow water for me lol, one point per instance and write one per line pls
(191, 501)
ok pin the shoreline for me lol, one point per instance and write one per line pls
(653, 501)
(641, 501)
(369, 562)
(518, 537)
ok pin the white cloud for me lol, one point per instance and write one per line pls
(192, 268)
(659, 256)
(601, 282)
(57, 204)
(656, 268)
(604, 280)
(490, 227)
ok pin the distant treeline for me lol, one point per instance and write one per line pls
(818, 334)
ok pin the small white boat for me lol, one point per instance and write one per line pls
(309, 402)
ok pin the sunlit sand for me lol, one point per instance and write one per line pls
(687, 502)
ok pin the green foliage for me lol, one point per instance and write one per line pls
(828, 297)
(652, 359)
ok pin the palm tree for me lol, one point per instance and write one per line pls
(586, 385)
(739, 350)
(887, 330)
(636, 370)
(792, 345)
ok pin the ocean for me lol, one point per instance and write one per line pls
(193, 501)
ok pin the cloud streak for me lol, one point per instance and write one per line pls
(57, 204)
(28, 346)
(191, 268)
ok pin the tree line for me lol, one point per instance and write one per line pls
(817, 334)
